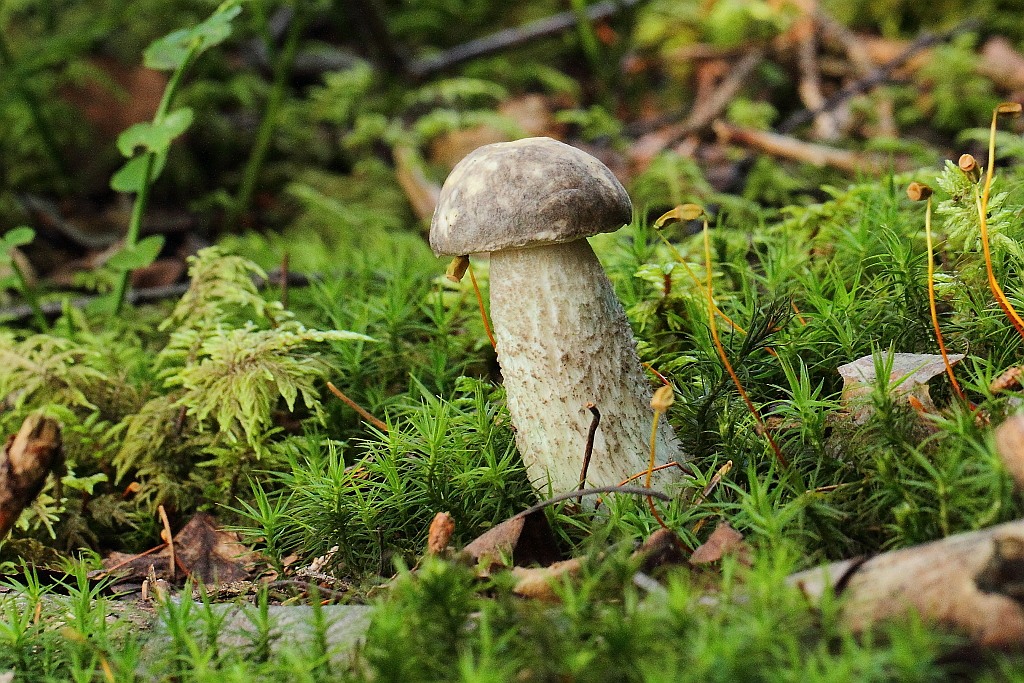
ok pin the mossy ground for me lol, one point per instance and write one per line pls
(218, 403)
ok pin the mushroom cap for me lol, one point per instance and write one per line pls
(526, 193)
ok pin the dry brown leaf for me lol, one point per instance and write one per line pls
(724, 540)
(210, 554)
(661, 548)
(1010, 379)
(520, 540)
(205, 551)
(1010, 445)
(441, 529)
(909, 378)
(538, 582)
(116, 95)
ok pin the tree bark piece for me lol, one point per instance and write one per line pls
(818, 155)
(29, 456)
(972, 583)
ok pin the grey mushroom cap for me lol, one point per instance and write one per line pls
(526, 193)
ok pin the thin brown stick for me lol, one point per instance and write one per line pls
(588, 449)
(809, 88)
(629, 490)
(514, 37)
(144, 553)
(659, 468)
(877, 76)
(788, 147)
(483, 311)
(703, 112)
(168, 537)
(725, 359)
(358, 408)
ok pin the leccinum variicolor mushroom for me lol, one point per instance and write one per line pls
(563, 340)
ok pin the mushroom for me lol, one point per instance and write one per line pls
(563, 339)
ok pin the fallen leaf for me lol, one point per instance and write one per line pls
(724, 540)
(661, 548)
(1010, 379)
(908, 377)
(521, 540)
(538, 582)
(1010, 445)
(210, 554)
(205, 551)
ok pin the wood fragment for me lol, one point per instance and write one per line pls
(972, 583)
(514, 37)
(28, 458)
(787, 147)
(704, 112)
(421, 192)
(879, 75)
(809, 88)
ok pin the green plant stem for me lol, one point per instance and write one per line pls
(29, 292)
(131, 238)
(46, 134)
(282, 67)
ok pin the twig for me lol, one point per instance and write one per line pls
(703, 112)
(513, 37)
(628, 490)
(588, 449)
(850, 42)
(788, 147)
(725, 359)
(825, 127)
(129, 560)
(147, 295)
(358, 408)
(169, 539)
(643, 472)
(876, 76)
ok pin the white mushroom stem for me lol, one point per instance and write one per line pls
(563, 342)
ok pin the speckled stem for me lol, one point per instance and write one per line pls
(563, 341)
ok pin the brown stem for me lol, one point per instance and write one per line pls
(588, 449)
(358, 408)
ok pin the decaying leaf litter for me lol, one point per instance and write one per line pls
(223, 408)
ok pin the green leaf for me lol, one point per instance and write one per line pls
(131, 176)
(174, 49)
(137, 256)
(18, 237)
(155, 136)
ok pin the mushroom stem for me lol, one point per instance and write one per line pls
(564, 341)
